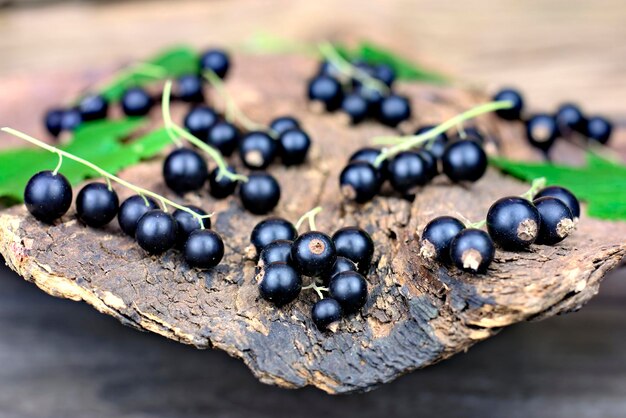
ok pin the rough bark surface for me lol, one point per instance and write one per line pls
(416, 315)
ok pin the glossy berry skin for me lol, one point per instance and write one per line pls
(472, 133)
(513, 222)
(407, 171)
(542, 131)
(599, 129)
(204, 249)
(187, 223)
(325, 90)
(369, 155)
(556, 220)
(257, 150)
(71, 119)
(260, 194)
(569, 118)
(283, 123)
(356, 245)
(385, 73)
(431, 167)
(93, 107)
(136, 102)
(184, 170)
(472, 250)
(435, 146)
(96, 205)
(350, 290)
(359, 181)
(215, 60)
(564, 195)
(156, 232)
(325, 312)
(437, 236)
(222, 187)
(48, 196)
(280, 283)
(374, 98)
(464, 161)
(394, 110)
(199, 120)
(313, 254)
(355, 107)
(189, 88)
(270, 230)
(224, 136)
(514, 96)
(52, 120)
(131, 210)
(341, 264)
(294, 145)
(274, 252)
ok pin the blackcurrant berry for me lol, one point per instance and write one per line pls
(359, 181)
(280, 283)
(204, 249)
(327, 91)
(224, 136)
(187, 223)
(276, 251)
(350, 290)
(282, 124)
(53, 120)
(542, 131)
(373, 97)
(215, 60)
(369, 155)
(437, 145)
(430, 163)
(93, 107)
(599, 129)
(385, 73)
(71, 119)
(472, 250)
(556, 220)
(437, 236)
(294, 146)
(328, 69)
(313, 254)
(514, 96)
(136, 102)
(564, 195)
(131, 210)
(355, 244)
(199, 121)
(221, 187)
(189, 88)
(471, 133)
(569, 118)
(156, 231)
(394, 110)
(325, 312)
(464, 161)
(270, 230)
(96, 205)
(48, 196)
(257, 150)
(184, 170)
(341, 264)
(260, 194)
(407, 171)
(513, 222)
(355, 107)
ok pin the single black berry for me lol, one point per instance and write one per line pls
(283, 123)
(184, 170)
(569, 118)
(556, 220)
(394, 110)
(599, 129)
(437, 145)
(464, 161)
(350, 290)
(204, 249)
(96, 204)
(156, 231)
(313, 254)
(187, 223)
(542, 131)
(257, 150)
(199, 121)
(384, 73)
(189, 88)
(355, 107)
(215, 60)
(221, 186)
(280, 283)
(270, 230)
(513, 222)
(294, 146)
(327, 91)
(355, 244)
(52, 121)
(48, 196)
(93, 107)
(260, 194)
(431, 165)
(472, 250)
(341, 264)
(275, 251)
(131, 210)
(136, 102)
(471, 133)
(369, 155)
(514, 96)
(407, 171)
(325, 312)
(71, 119)
(359, 181)
(224, 136)
(373, 97)
(564, 195)
(437, 236)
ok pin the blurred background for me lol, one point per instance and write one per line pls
(63, 359)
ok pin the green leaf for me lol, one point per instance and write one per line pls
(600, 183)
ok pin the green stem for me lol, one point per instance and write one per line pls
(408, 142)
(145, 69)
(310, 215)
(318, 289)
(536, 185)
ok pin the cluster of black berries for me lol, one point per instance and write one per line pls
(332, 90)
(513, 223)
(48, 196)
(543, 129)
(461, 158)
(338, 263)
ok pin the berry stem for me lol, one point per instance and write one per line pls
(407, 142)
(310, 215)
(108, 176)
(318, 289)
(536, 185)
(59, 164)
(125, 76)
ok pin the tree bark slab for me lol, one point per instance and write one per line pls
(416, 315)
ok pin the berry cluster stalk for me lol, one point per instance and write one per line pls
(310, 215)
(126, 75)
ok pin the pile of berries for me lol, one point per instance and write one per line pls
(513, 223)
(335, 265)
